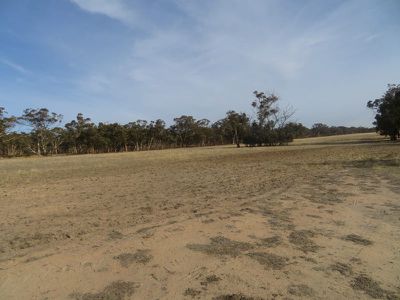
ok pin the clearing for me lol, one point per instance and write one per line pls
(319, 219)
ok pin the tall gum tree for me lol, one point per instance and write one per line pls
(41, 121)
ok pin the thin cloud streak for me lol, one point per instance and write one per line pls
(14, 66)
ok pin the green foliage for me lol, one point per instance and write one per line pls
(387, 108)
(320, 129)
(234, 127)
(266, 109)
(188, 131)
(40, 120)
(6, 123)
(297, 130)
(270, 126)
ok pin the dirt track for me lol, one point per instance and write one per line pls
(319, 220)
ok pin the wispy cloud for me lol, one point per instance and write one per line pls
(115, 9)
(226, 49)
(162, 58)
(371, 37)
(14, 66)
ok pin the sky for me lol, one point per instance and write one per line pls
(123, 60)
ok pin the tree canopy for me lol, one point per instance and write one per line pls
(6, 123)
(269, 126)
(387, 108)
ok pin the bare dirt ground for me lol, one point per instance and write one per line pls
(319, 219)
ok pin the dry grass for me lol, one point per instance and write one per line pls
(244, 215)
(221, 246)
(140, 256)
(118, 290)
(269, 260)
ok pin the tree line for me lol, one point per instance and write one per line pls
(270, 126)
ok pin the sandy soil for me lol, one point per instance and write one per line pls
(319, 219)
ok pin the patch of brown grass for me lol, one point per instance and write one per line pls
(357, 239)
(221, 246)
(270, 261)
(301, 239)
(141, 256)
(117, 290)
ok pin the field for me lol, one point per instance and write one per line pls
(318, 219)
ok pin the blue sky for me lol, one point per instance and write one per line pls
(123, 60)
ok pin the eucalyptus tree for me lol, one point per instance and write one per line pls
(387, 109)
(137, 134)
(297, 130)
(81, 135)
(269, 126)
(112, 137)
(6, 123)
(157, 135)
(235, 126)
(320, 129)
(184, 130)
(41, 121)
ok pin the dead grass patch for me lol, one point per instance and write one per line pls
(329, 197)
(309, 259)
(371, 288)
(33, 240)
(208, 221)
(141, 256)
(115, 235)
(269, 261)
(300, 290)
(236, 297)
(270, 242)
(301, 239)
(221, 246)
(117, 290)
(314, 216)
(191, 292)
(279, 219)
(339, 223)
(357, 239)
(210, 279)
(342, 268)
(373, 162)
